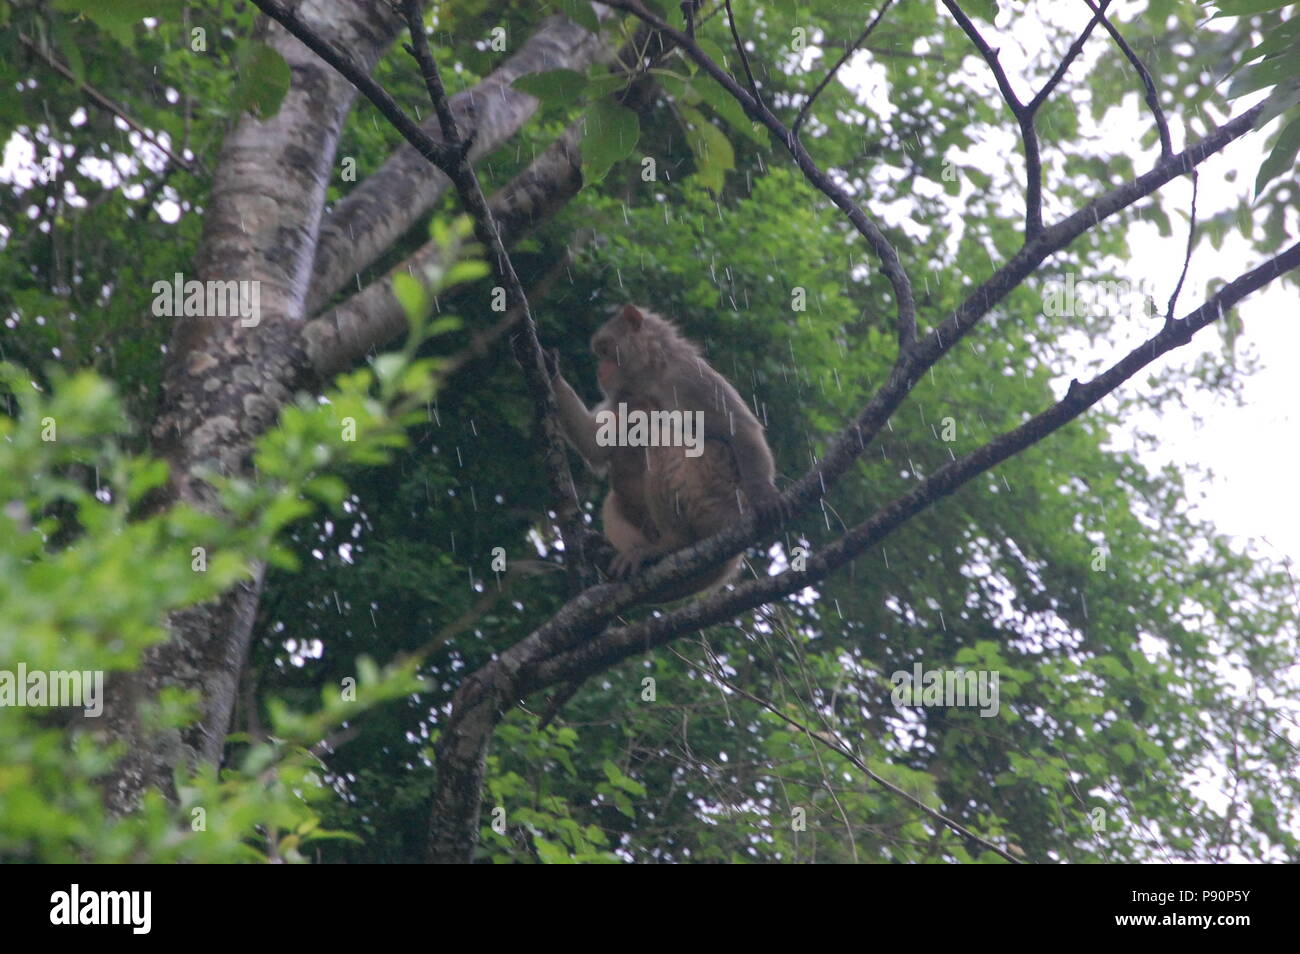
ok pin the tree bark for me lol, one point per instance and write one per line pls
(224, 383)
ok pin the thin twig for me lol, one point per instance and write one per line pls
(839, 747)
(990, 56)
(756, 110)
(1152, 98)
(740, 49)
(1187, 257)
(483, 340)
(1070, 55)
(830, 74)
(106, 104)
(440, 154)
(528, 349)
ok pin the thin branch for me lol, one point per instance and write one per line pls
(527, 348)
(483, 340)
(830, 74)
(341, 336)
(990, 56)
(1070, 55)
(440, 154)
(451, 157)
(615, 645)
(756, 110)
(1187, 257)
(1024, 119)
(106, 104)
(839, 747)
(740, 49)
(1152, 98)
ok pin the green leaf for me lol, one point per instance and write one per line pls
(984, 9)
(580, 12)
(713, 153)
(611, 134)
(411, 295)
(263, 81)
(1282, 157)
(1278, 102)
(118, 18)
(1273, 43)
(1270, 72)
(725, 105)
(554, 86)
(1241, 8)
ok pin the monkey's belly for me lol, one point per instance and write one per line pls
(627, 477)
(692, 497)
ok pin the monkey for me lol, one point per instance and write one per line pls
(663, 498)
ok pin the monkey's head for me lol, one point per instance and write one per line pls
(634, 348)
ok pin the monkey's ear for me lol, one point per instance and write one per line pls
(632, 316)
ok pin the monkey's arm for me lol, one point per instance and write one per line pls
(756, 469)
(578, 422)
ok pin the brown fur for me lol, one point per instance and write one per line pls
(660, 499)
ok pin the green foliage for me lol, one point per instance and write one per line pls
(1272, 62)
(1120, 686)
(77, 527)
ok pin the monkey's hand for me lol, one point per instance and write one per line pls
(769, 510)
(629, 562)
(552, 358)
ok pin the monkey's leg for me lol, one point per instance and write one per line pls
(633, 544)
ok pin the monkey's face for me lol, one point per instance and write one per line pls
(620, 350)
(609, 358)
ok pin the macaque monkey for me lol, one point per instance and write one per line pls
(667, 494)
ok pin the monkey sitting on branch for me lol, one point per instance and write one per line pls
(684, 454)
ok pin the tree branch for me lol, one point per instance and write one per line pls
(528, 350)
(106, 104)
(615, 645)
(838, 746)
(830, 74)
(756, 110)
(1024, 117)
(1148, 84)
(740, 49)
(1070, 55)
(379, 210)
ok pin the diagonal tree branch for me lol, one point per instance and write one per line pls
(379, 210)
(837, 745)
(830, 74)
(740, 50)
(1148, 84)
(374, 316)
(756, 110)
(1066, 61)
(451, 156)
(106, 104)
(618, 644)
(340, 337)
